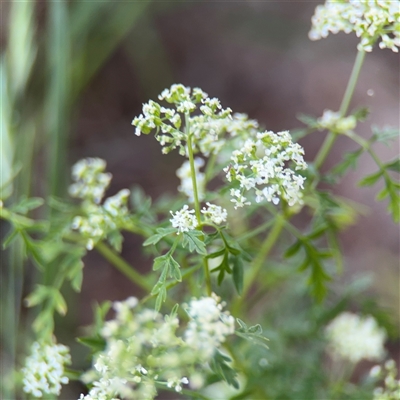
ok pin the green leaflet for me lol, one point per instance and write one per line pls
(191, 240)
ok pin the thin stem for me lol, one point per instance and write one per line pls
(330, 139)
(325, 149)
(16, 218)
(355, 73)
(366, 145)
(196, 199)
(264, 251)
(207, 276)
(123, 266)
(256, 231)
(192, 171)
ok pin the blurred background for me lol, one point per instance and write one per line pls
(75, 73)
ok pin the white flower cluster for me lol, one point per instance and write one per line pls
(90, 180)
(143, 350)
(184, 219)
(371, 20)
(391, 390)
(209, 134)
(207, 129)
(90, 185)
(44, 369)
(215, 214)
(185, 175)
(209, 325)
(102, 219)
(167, 121)
(334, 122)
(355, 338)
(261, 165)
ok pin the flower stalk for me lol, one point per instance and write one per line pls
(344, 106)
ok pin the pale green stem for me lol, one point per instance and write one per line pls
(207, 276)
(123, 266)
(256, 231)
(194, 181)
(196, 198)
(264, 251)
(330, 139)
(366, 145)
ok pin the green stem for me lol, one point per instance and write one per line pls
(256, 231)
(123, 266)
(355, 73)
(330, 139)
(196, 198)
(366, 145)
(207, 275)
(194, 181)
(21, 220)
(264, 251)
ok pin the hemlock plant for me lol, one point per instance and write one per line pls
(182, 336)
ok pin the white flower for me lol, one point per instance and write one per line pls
(102, 219)
(116, 205)
(371, 20)
(355, 338)
(391, 389)
(240, 200)
(208, 129)
(44, 369)
(214, 213)
(334, 122)
(184, 219)
(143, 349)
(184, 174)
(98, 220)
(90, 180)
(262, 165)
(208, 325)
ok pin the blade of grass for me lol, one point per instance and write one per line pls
(99, 46)
(57, 107)
(16, 137)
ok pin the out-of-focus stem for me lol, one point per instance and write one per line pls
(344, 106)
(123, 266)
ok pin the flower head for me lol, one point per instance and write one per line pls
(388, 375)
(262, 165)
(44, 369)
(184, 219)
(143, 348)
(334, 122)
(208, 325)
(167, 122)
(100, 220)
(214, 213)
(371, 20)
(355, 338)
(90, 179)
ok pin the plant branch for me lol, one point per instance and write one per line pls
(193, 171)
(330, 139)
(111, 256)
(264, 251)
